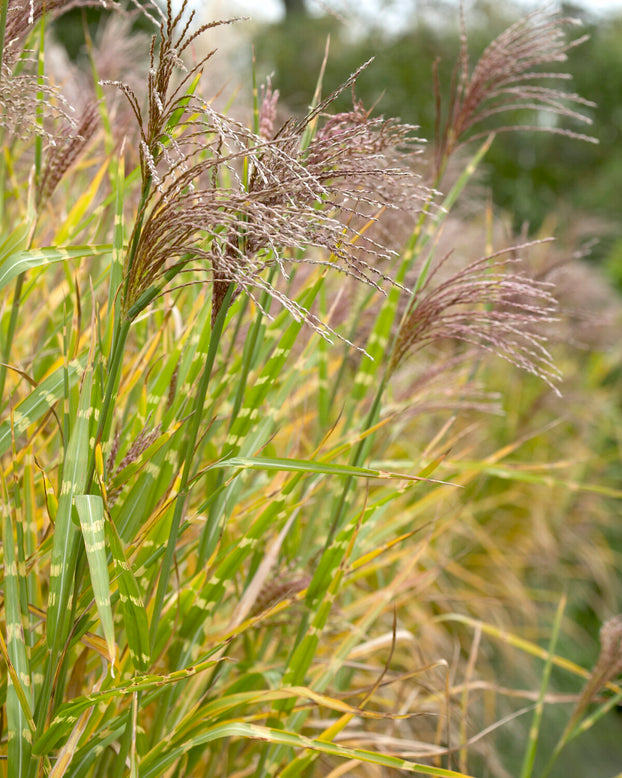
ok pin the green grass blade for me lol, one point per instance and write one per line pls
(65, 543)
(116, 267)
(534, 731)
(27, 542)
(151, 768)
(19, 700)
(21, 261)
(134, 614)
(88, 755)
(90, 510)
(69, 712)
(281, 464)
(323, 371)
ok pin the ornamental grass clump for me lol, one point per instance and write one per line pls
(225, 538)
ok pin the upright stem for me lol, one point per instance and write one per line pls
(187, 453)
(122, 326)
(357, 459)
(112, 383)
(140, 218)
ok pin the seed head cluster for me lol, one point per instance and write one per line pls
(239, 209)
(514, 73)
(66, 150)
(267, 111)
(607, 668)
(235, 204)
(487, 304)
(22, 89)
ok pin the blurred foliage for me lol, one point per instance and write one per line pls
(70, 28)
(529, 174)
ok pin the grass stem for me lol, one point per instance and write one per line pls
(188, 460)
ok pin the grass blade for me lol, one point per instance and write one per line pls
(19, 694)
(534, 732)
(134, 614)
(308, 466)
(21, 261)
(90, 510)
(39, 402)
(70, 711)
(65, 544)
(151, 768)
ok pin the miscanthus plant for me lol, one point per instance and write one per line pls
(223, 537)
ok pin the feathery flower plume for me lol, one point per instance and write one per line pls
(488, 306)
(295, 199)
(609, 665)
(297, 195)
(22, 15)
(285, 585)
(607, 668)
(509, 77)
(21, 92)
(267, 110)
(165, 101)
(66, 149)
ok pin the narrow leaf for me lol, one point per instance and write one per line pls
(534, 732)
(151, 768)
(19, 693)
(308, 466)
(39, 402)
(134, 614)
(90, 509)
(65, 543)
(69, 712)
(20, 261)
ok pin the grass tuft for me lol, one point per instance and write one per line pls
(230, 545)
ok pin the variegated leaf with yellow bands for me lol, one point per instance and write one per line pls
(33, 407)
(19, 697)
(90, 510)
(66, 535)
(134, 614)
(21, 261)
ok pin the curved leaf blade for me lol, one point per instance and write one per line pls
(90, 508)
(21, 261)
